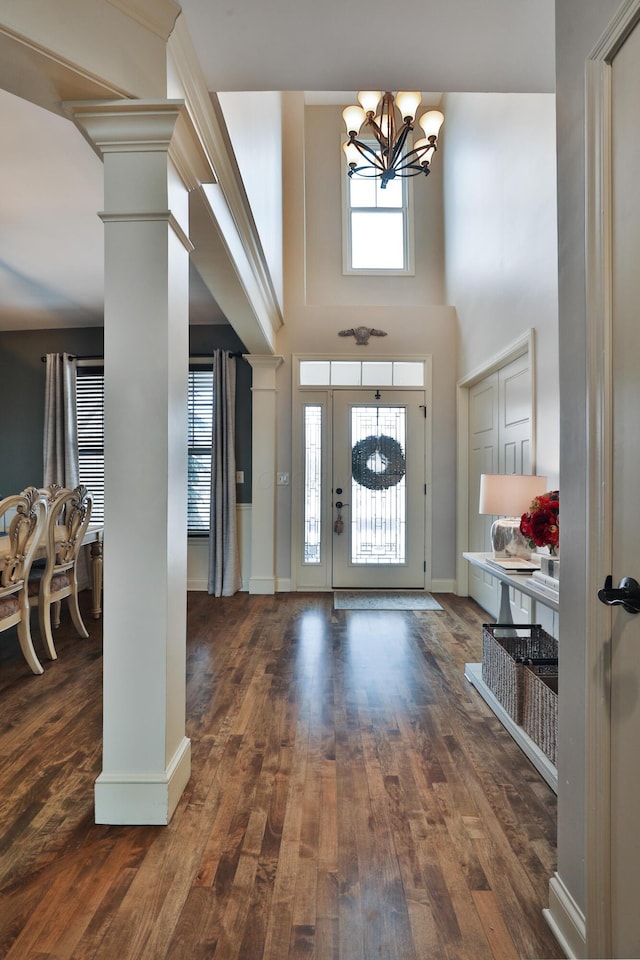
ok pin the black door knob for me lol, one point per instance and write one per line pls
(627, 594)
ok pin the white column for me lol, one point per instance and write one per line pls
(146, 755)
(263, 487)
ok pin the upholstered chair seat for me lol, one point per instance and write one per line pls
(8, 607)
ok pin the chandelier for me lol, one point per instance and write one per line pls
(392, 156)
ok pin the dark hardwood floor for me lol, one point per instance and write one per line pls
(351, 798)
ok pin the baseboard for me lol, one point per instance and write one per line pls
(202, 586)
(143, 799)
(566, 920)
(443, 586)
(262, 585)
(283, 585)
(198, 585)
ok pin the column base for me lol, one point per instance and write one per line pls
(264, 585)
(143, 799)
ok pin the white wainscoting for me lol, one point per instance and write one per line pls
(198, 553)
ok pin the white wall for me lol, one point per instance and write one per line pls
(254, 123)
(501, 248)
(320, 301)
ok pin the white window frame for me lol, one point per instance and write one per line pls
(408, 232)
(94, 482)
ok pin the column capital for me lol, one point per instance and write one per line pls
(145, 126)
(264, 368)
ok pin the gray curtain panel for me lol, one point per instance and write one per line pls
(60, 442)
(224, 559)
(60, 447)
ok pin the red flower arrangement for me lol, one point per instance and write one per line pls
(541, 525)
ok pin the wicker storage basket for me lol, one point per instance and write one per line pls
(540, 707)
(505, 647)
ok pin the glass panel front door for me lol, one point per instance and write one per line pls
(378, 457)
(378, 502)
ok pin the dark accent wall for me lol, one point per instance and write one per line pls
(22, 376)
(203, 340)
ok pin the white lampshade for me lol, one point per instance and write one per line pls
(509, 495)
(431, 122)
(425, 150)
(369, 100)
(352, 153)
(407, 102)
(353, 117)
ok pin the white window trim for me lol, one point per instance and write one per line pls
(311, 577)
(409, 269)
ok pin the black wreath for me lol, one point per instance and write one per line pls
(392, 456)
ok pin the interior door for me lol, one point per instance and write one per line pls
(379, 489)
(499, 442)
(625, 634)
(483, 458)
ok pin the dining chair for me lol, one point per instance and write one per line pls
(23, 516)
(67, 520)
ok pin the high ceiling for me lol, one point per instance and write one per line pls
(51, 246)
(455, 45)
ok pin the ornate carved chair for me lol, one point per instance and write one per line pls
(68, 517)
(23, 516)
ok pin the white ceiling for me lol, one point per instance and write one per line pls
(51, 241)
(455, 45)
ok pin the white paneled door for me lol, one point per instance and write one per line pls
(499, 442)
(624, 642)
(378, 489)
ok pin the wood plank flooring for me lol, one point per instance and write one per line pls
(351, 798)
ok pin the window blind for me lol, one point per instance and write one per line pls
(200, 411)
(90, 413)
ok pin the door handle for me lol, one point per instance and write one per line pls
(626, 594)
(338, 526)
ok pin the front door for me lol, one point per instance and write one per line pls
(379, 489)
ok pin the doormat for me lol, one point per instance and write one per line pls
(384, 600)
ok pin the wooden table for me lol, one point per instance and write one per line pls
(473, 671)
(93, 538)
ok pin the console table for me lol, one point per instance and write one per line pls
(473, 671)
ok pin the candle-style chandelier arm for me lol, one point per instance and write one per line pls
(369, 154)
(377, 131)
(398, 146)
(414, 157)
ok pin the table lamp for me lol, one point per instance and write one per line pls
(507, 497)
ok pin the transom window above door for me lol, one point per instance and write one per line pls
(361, 373)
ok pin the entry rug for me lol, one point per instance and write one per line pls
(384, 600)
